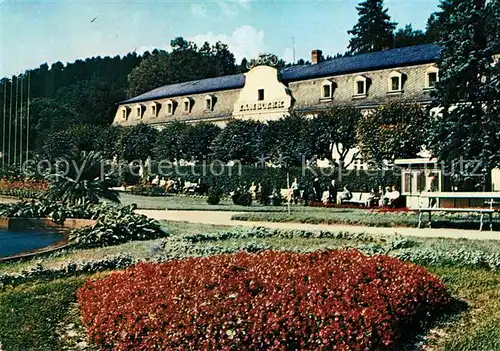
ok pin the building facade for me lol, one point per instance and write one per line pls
(266, 93)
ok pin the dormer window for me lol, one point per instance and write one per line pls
(209, 103)
(154, 109)
(186, 105)
(431, 78)
(139, 110)
(327, 90)
(395, 83)
(170, 107)
(360, 87)
(124, 112)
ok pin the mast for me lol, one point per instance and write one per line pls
(28, 116)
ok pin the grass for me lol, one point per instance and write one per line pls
(30, 313)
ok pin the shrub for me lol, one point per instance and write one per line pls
(266, 301)
(242, 197)
(214, 195)
(116, 226)
(148, 190)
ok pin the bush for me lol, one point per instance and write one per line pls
(116, 226)
(148, 190)
(266, 301)
(214, 195)
(242, 197)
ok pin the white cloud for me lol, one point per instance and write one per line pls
(244, 41)
(198, 10)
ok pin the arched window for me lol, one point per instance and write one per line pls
(124, 112)
(186, 105)
(170, 107)
(139, 111)
(155, 107)
(395, 82)
(327, 87)
(209, 103)
(360, 87)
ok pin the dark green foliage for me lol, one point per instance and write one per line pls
(230, 178)
(396, 130)
(185, 62)
(116, 225)
(468, 131)
(171, 142)
(407, 36)
(240, 140)
(241, 197)
(136, 143)
(147, 190)
(80, 179)
(277, 199)
(214, 195)
(198, 141)
(374, 30)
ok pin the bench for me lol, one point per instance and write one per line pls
(357, 199)
(481, 211)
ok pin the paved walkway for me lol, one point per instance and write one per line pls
(224, 218)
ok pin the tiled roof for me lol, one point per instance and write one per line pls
(406, 56)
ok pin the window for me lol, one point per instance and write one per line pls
(360, 87)
(431, 77)
(138, 112)
(153, 110)
(260, 95)
(186, 105)
(395, 86)
(209, 103)
(395, 83)
(124, 114)
(327, 91)
(327, 87)
(170, 107)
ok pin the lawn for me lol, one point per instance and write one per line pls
(33, 314)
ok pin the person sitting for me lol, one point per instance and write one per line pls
(332, 192)
(386, 196)
(393, 197)
(155, 181)
(345, 195)
(372, 198)
(295, 191)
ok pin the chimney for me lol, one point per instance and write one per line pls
(316, 56)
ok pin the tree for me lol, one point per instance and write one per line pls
(199, 139)
(171, 142)
(79, 179)
(287, 140)
(396, 130)
(436, 24)
(466, 133)
(136, 143)
(336, 129)
(408, 37)
(374, 30)
(240, 140)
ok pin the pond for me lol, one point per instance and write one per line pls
(16, 242)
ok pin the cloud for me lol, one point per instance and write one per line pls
(244, 41)
(198, 10)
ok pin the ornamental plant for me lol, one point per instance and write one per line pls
(271, 300)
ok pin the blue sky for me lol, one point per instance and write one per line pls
(34, 32)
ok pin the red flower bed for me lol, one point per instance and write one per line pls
(25, 188)
(268, 301)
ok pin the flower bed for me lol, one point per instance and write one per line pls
(23, 189)
(266, 301)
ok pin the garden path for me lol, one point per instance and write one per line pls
(224, 218)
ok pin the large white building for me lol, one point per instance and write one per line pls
(265, 93)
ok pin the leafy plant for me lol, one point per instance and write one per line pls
(80, 179)
(242, 197)
(214, 195)
(116, 226)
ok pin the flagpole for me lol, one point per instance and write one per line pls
(288, 186)
(28, 116)
(4, 120)
(15, 121)
(21, 129)
(10, 118)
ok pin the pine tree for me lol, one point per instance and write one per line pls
(374, 30)
(466, 134)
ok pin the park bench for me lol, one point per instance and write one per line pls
(481, 211)
(358, 199)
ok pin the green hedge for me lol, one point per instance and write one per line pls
(229, 178)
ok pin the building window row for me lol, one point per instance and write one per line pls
(394, 84)
(154, 108)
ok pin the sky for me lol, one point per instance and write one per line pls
(33, 32)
